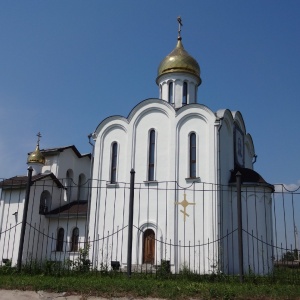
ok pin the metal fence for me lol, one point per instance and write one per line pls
(194, 228)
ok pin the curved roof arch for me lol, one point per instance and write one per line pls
(197, 106)
(238, 119)
(143, 103)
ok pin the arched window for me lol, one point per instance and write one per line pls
(81, 187)
(75, 239)
(114, 157)
(193, 148)
(151, 155)
(171, 95)
(184, 93)
(69, 181)
(60, 239)
(45, 203)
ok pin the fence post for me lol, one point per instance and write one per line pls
(240, 224)
(23, 228)
(130, 222)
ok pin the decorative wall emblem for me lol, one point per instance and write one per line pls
(184, 203)
(239, 149)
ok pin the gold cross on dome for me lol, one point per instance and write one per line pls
(184, 203)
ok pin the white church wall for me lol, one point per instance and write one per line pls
(36, 222)
(66, 160)
(68, 223)
(199, 119)
(158, 121)
(13, 203)
(198, 231)
(257, 232)
(109, 220)
(51, 164)
(197, 124)
(36, 226)
(150, 216)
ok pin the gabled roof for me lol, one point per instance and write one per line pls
(21, 181)
(74, 208)
(61, 149)
(249, 176)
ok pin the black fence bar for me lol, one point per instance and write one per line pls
(240, 224)
(130, 223)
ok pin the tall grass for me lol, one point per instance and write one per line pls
(282, 284)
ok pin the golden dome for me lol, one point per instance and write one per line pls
(36, 156)
(179, 61)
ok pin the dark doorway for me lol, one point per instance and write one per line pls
(148, 247)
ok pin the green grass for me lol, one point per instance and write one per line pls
(182, 286)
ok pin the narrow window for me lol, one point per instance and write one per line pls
(184, 93)
(151, 155)
(75, 239)
(171, 98)
(69, 182)
(45, 203)
(81, 194)
(60, 239)
(192, 155)
(114, 155)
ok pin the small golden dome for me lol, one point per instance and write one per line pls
(179, 61)
(36, 156)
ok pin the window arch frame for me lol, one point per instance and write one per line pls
(192, 155)
(151, 154)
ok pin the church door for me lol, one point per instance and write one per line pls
(148, 247)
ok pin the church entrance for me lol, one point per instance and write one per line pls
(148, 246)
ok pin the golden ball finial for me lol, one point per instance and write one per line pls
(36, 156)
(179, 61)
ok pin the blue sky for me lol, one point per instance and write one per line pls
(67, 65)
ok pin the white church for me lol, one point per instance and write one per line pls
(185, 159)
